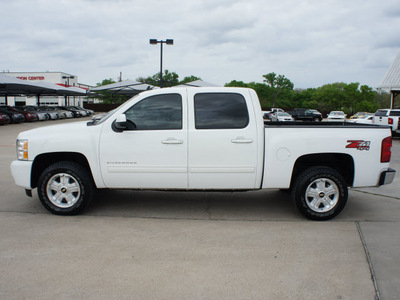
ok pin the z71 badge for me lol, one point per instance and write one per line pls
(359, 145)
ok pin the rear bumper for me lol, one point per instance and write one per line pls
(387, 176)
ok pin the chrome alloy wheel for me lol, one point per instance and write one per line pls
(63, 190)
(322, 195)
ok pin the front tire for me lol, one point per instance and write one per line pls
(320, 193)
(65, 188)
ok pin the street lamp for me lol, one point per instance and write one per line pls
(155, 42)
(67, 85)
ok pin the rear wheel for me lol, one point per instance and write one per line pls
(65, 188)
(320, 193)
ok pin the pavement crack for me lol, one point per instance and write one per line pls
(368, 256)
(375, 194)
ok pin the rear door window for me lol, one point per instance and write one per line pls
(395, 113)
(220, 111)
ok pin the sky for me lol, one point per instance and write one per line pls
(311, 42)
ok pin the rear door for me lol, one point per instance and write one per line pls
(223, 141)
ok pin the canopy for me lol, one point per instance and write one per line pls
(127, 87)
(11, 86)
(198, 83)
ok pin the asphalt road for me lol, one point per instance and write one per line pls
(196, 245)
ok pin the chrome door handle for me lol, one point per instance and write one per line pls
(172, 141)
(242, 140)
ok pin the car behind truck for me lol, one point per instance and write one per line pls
(201, 139)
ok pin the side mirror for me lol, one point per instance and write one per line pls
(119, 124)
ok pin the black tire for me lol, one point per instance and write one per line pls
(320, 193)
(65, 188)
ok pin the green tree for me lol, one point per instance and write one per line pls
(105, 82)
(108, 97)
(279, 85)
(189, 79)
(169, 79)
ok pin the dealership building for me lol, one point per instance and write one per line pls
(59, 78)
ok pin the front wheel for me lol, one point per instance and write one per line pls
(320, 193)
(65, 188)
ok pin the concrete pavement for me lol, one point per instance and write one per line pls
(196, 245)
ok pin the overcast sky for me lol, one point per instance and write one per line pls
(311, 42)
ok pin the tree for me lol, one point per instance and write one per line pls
(189, 79)
(279, 85)
(108, 97)
(105, 82)
(169, 79)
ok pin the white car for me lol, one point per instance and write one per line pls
(367, 119)
(281, 117)
(337, 116)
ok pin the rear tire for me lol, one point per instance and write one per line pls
(65, 188)
(320, 193)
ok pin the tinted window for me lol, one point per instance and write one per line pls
(395, 113)
(156, 113)
(381, 113)
(220, 111)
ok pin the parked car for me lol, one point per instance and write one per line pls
(29, 116)
(53, 114)
(15, 117)
(359, 115)
(4, 119)
(187, 139)
(303, 114)
(89, 112)
(41, 115)
(389, 117)
(61, 112)
(77, 113)
(281, 117)
(266, 115)
(337, 116)
(366, 119)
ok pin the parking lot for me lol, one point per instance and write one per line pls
(196, 245)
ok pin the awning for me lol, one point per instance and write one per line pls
(127, 87)
(11, 86)
(198, 83)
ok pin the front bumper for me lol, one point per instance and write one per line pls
(387, 176)
(21, 172)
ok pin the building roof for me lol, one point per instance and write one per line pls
(391, 81)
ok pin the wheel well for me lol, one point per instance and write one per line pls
(42, 161)
(343, 163)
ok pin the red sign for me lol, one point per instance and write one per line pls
(31, 77)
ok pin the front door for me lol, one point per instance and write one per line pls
(152, 152)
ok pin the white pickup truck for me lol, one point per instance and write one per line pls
(390, 117)
(201, 139)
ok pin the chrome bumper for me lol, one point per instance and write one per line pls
(387, 176)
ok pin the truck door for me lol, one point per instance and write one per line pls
(152, 151)
(223, 141)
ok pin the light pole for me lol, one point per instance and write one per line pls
(155, 42)
(67, 85)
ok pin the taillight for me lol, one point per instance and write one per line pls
(386, 152)
(390, 121)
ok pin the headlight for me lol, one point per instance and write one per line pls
(22, 149)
